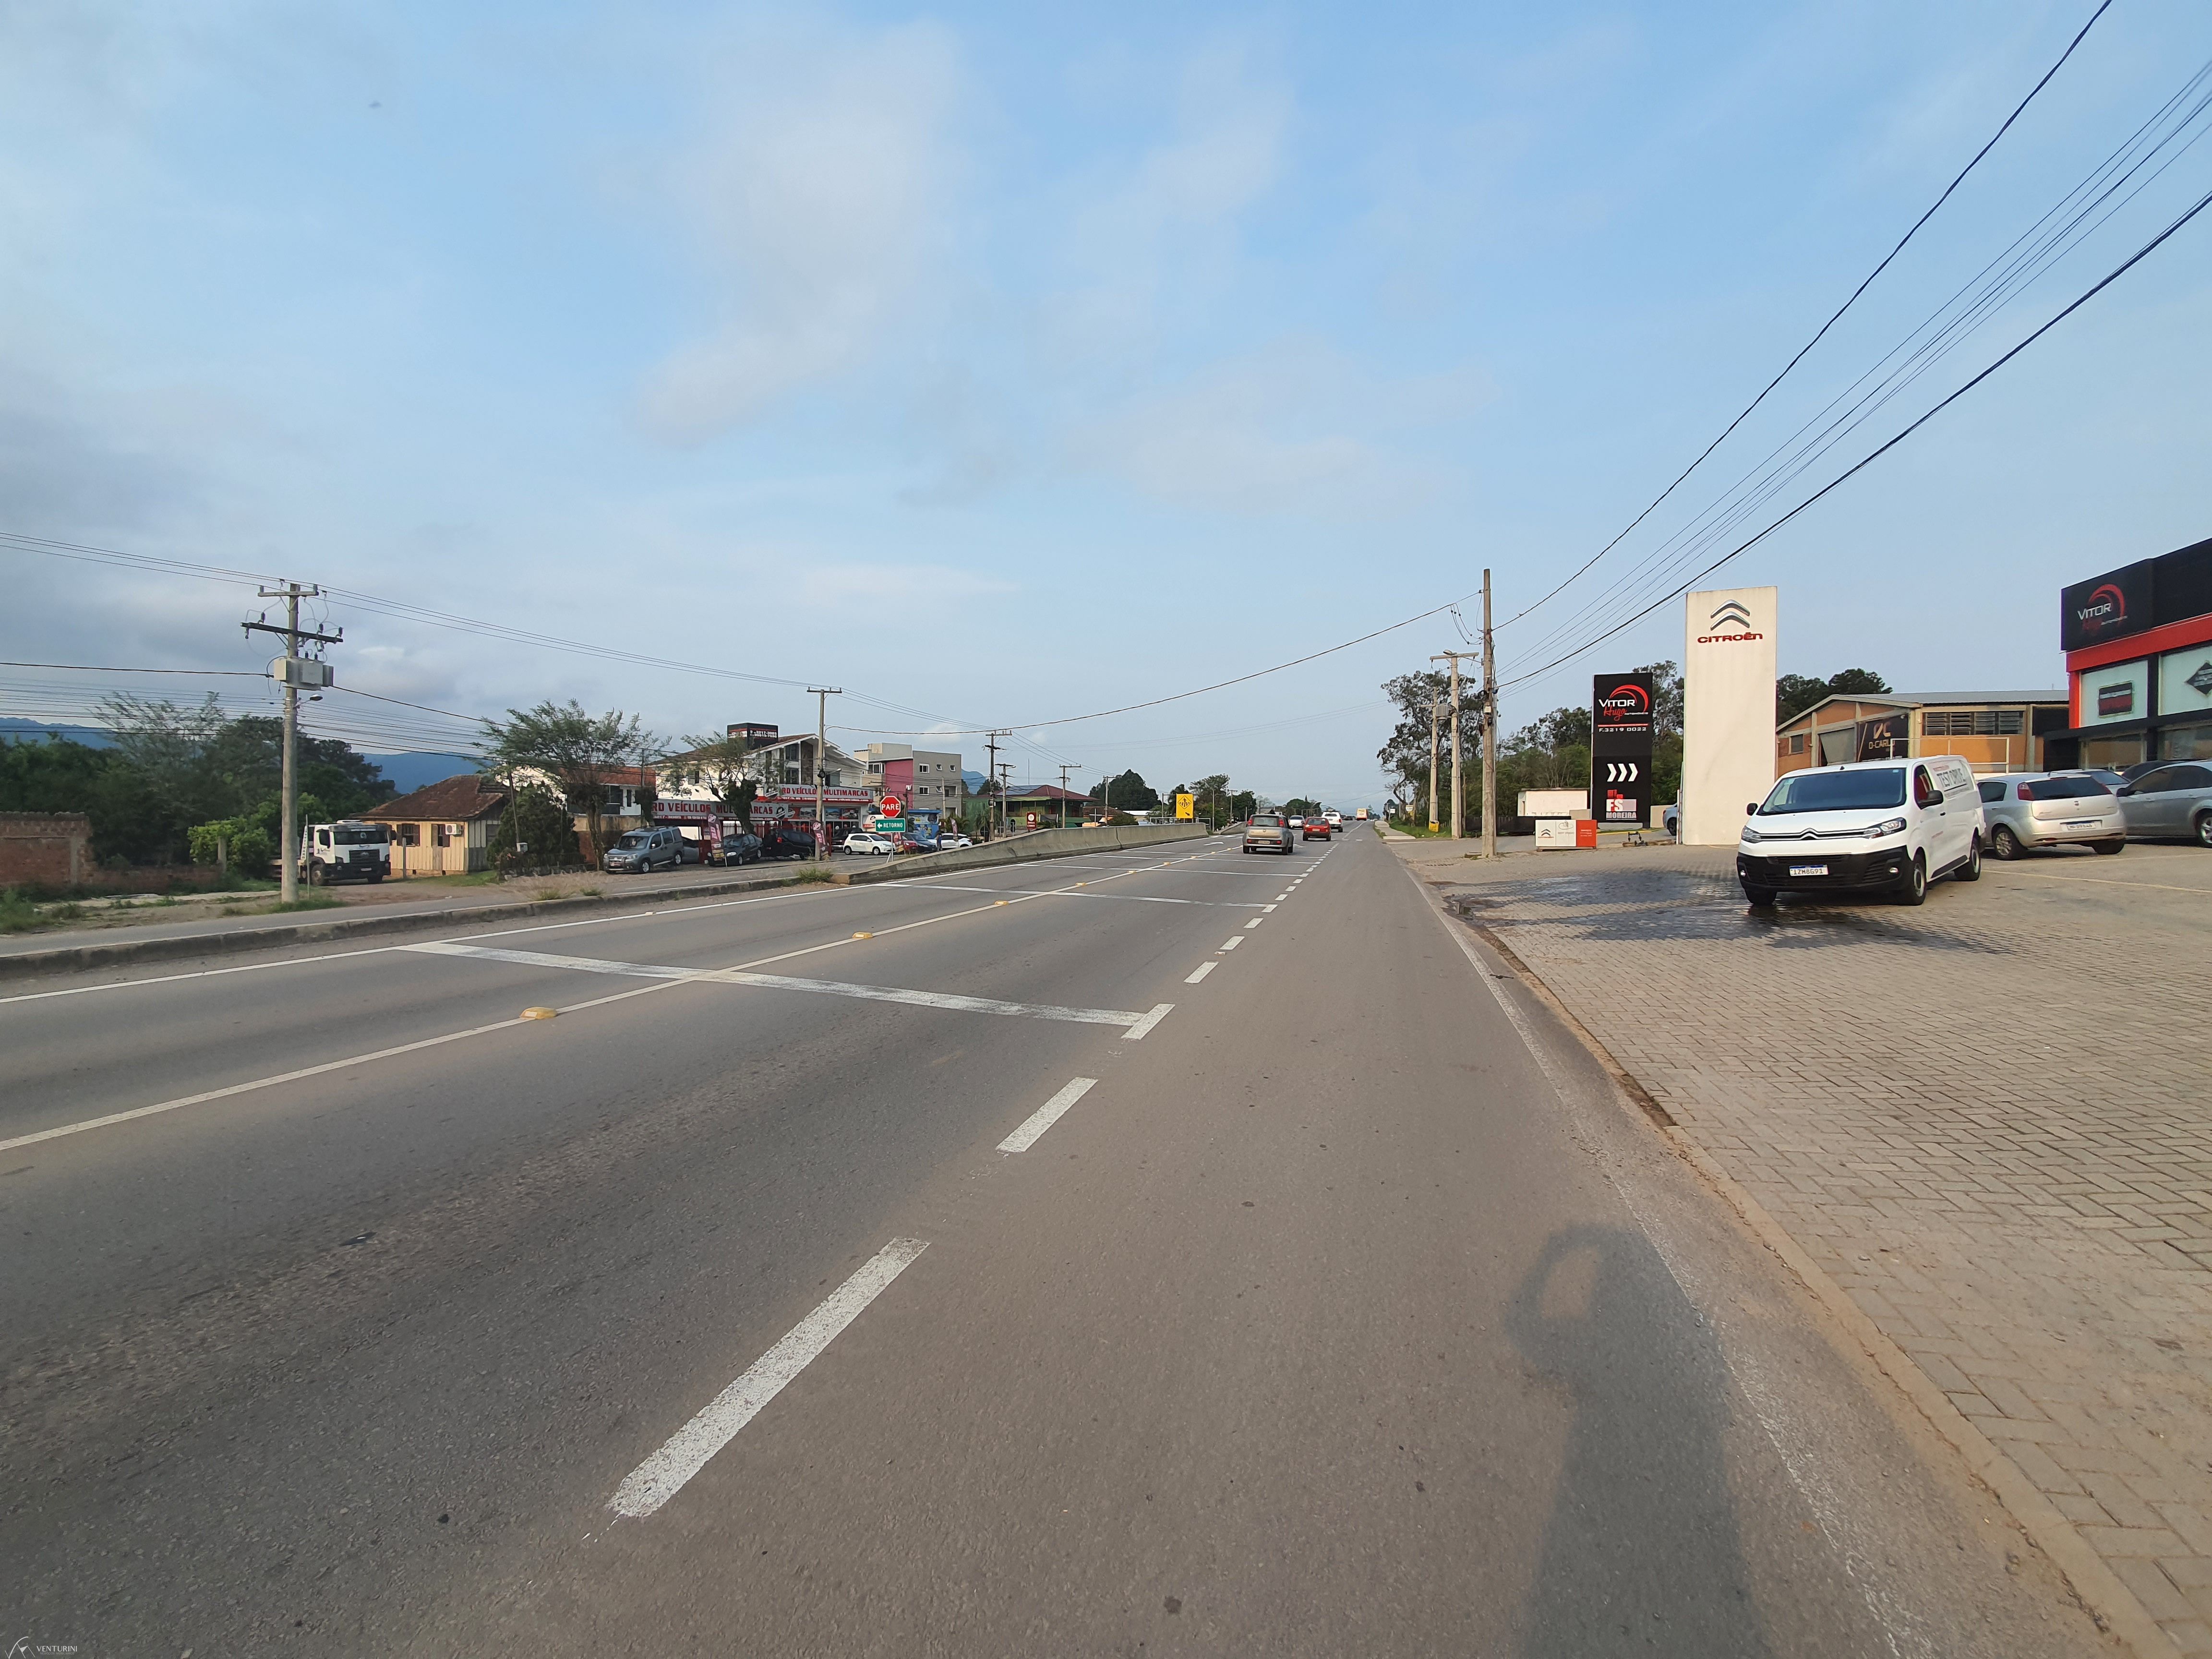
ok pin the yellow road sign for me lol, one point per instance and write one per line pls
(1186, 807)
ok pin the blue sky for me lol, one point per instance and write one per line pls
(1009, 363)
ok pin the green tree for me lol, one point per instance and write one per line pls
(578, 754)
(1795, 693)
(1127, 793)
(1405, 756)
(130, 825)
(535, 832)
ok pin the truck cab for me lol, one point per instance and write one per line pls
(348, 850)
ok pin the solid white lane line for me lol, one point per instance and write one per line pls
(1254, 922)
(244, 1088)
(1125, 898)
(785, 982)
(1232, 941)
(540, 959)
(662, 1475)
(932, 998)
(1203, 969)
(1034, 1125)
(1142, 1028)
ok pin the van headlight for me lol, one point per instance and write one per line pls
(1750, 836)
(1888, 827)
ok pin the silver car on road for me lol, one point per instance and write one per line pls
(2170, 802)
(2029, 810)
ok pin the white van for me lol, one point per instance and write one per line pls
(1869, 826)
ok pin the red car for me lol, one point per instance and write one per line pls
(1316, 829)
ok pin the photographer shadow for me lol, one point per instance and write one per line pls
(1642, 1553)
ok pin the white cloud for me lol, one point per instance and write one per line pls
(1170, 222)
(1288, 430)
(820, 204)
(887, 586)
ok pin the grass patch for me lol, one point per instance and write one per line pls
(816, 873)
(17, 914)
(590, 892)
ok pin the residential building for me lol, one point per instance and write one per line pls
(1040, 806)
(443, 829)
(925, 781)
(2138, 645)
(1991, 730)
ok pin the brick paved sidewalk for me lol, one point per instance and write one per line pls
(1989, 1120)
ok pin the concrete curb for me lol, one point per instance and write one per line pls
(2109, 1601)
(327, 927)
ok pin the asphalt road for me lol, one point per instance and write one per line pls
(345, 1311)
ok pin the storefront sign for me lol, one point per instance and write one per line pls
(1620, 748)
(2108, 607)
(2119, 692)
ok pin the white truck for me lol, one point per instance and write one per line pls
(348, 850)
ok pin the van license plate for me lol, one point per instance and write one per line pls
(1808, 869)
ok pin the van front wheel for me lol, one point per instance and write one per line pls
(1760, 898)
(1914, 888)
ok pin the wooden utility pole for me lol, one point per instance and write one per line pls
(1459, 788)
(822, 695)
(996, 803)
(1489, 730)
(292, 676)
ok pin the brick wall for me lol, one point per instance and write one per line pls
(52, 849)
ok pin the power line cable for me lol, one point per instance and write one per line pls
(1822, 331)
(1984, 294)
(2102, 283)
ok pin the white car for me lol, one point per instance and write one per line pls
(868, 840)
(1335, 820)
(950, 843)
(1869, 826)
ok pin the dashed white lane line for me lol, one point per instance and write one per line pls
(1034, 1125)
(1254, 922)
(1203, 969)
(662, 1475)
(1279, 897)
(1232, 941)
(1142, 1028)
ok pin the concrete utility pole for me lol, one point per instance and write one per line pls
(1436, 708)
(293, 675)
(1489, 730)
(1005, 777)
(1459, 788)
(1064, 771)
(996, 803)
(822, 695)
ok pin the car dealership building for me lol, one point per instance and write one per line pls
(2138, 644)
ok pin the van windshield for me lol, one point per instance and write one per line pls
(1837, 792)
(635, 839)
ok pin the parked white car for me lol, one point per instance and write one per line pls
(2023, 811)
(868, 842)
(1866, 826)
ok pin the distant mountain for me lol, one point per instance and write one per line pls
(90, 736)
(409, 773)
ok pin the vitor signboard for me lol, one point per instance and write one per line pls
(1727, 711)
(2108, 607)
(1620, 748)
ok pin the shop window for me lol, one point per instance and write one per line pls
(2185, 742)
(1796, 743)
(410, 835)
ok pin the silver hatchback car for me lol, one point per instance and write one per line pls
(2030, 810)
(2170, 801)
